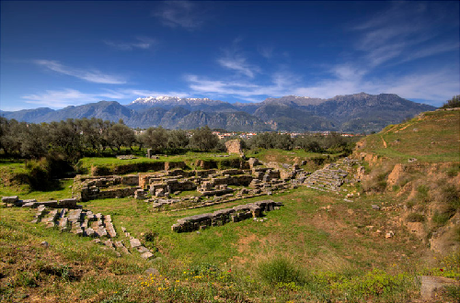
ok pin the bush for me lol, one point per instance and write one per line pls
(441, 218)
(280, 270)
(414, 217)
(150, 236)
(422, 193)
(452, 103)
(451, 196)
(453, 171)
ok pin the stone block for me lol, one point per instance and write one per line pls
(10, 199)
(134, 242)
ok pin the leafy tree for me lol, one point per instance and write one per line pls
(120, 135)
(10, 140)
(90, 131)
(34, 142)
(271, 140)
(155, 138)
(204, 139)
(177, 139)
(66, 138)
(452, 103)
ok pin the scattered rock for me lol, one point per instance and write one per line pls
(389, 234)
(135, 242)
(147, 255)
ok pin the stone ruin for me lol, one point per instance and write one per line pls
(67, 216)
(214, 186)
(32, 203)
(223, 216)
(332, 176)
(205, 187)
(234, 147)
(91, 188)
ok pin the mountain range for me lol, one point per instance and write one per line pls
(348, 113)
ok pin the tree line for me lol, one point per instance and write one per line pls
(73, 139)
(311, 142)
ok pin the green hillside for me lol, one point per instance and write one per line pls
(431, 137)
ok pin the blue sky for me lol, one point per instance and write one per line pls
(55, 54)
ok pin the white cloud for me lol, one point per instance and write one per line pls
(94, 76)
(62, 98)
(140, 43)
(179, 14)
(66, 97)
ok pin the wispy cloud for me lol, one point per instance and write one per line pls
(60, 98)
(234, 59)
(435, 86)
(266, 51)
(180, 14)
(140, 43)
(66, 97)
(239, 64)
(401, 33)
(94, 76)
(280, 84)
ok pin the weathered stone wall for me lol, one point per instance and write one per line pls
(223, 216)
(135, 167)
(109, 180)
(64, 203)
(93, 193)
(234, 147)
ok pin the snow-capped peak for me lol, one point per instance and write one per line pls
(168, 99)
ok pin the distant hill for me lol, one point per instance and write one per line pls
(350, 113)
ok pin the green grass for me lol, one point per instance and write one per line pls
(431, 138)
(61, 190)
(190, 158)
(218, 262)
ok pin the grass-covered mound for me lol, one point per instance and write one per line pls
(429, 137)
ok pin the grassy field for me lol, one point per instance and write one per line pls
(317, 247)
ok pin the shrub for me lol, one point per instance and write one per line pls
(452, 103)
(453, 171)
(440, 218)
(451, 196)
(414, 217)
(150, 236)
(422, 193)
(280, 270)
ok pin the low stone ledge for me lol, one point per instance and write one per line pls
(223, 216)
